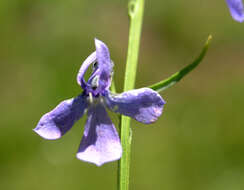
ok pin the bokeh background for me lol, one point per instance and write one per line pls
(198, 143)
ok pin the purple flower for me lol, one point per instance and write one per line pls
(236, 9)
(100, 142)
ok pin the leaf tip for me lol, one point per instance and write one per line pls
(210, 37)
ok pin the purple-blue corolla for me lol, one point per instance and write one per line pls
(100, 142)
(236, 9)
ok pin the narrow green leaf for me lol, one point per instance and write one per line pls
(176, 77)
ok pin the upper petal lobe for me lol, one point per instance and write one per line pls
(144, 104)
(57, 122)
(100, 142)
(104, 64)
(100, 79)
(80, 77)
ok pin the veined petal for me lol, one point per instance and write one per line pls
(100, 142)
(144, 104)
(236, 9)
(105, 65)
(80, 77)
(57, 122)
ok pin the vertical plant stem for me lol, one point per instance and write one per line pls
(135, 10)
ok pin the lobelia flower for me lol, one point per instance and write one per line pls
(100, 142)
(236, 9)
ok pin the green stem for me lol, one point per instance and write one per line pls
(135, 10)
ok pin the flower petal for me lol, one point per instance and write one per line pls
(100, 143)
(80, 77)
(144, 104)
(236, 9)
(57, 122)
(104, 64)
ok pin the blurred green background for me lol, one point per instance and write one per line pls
(198, 143)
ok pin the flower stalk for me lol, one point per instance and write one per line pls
(135, 11)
